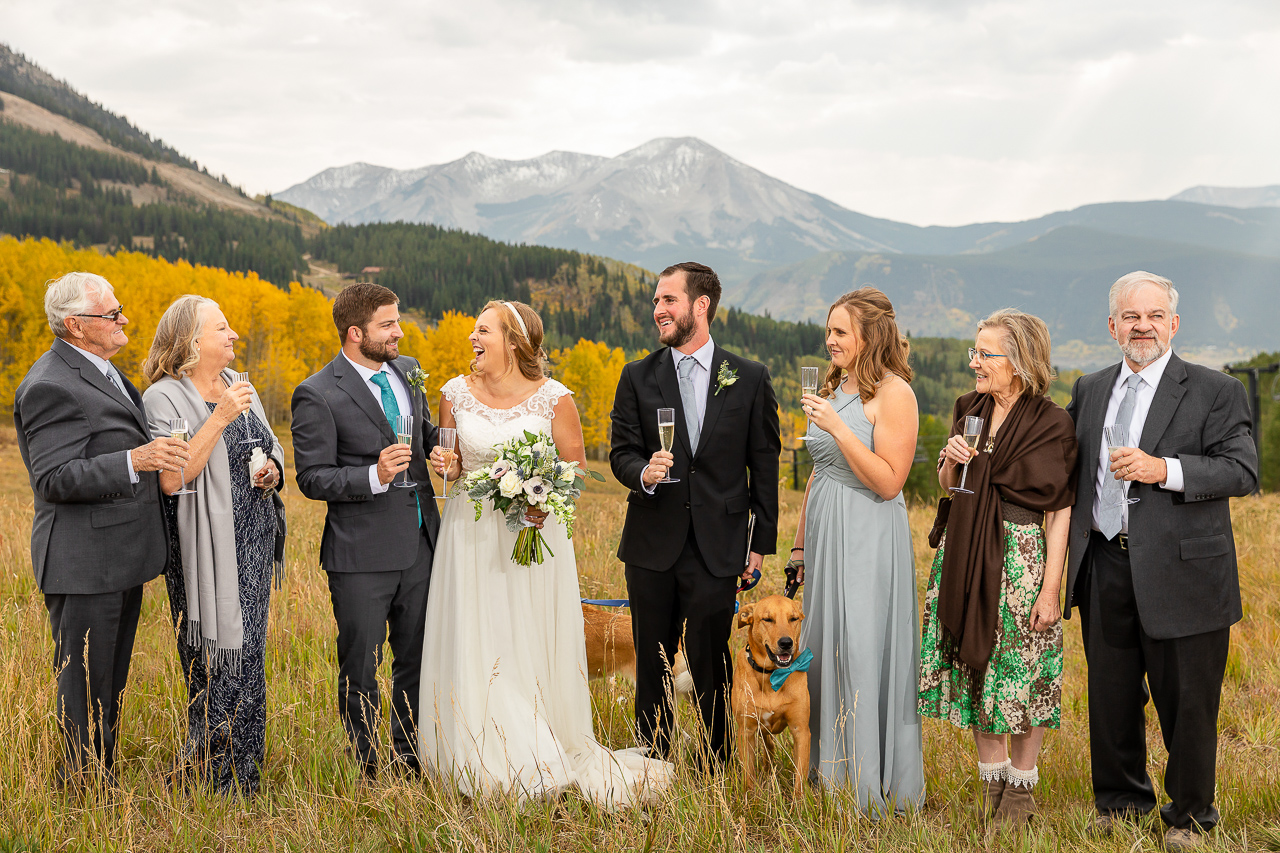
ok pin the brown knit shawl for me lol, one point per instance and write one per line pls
(1033, 465)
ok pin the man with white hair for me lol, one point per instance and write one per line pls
(1152, 560)
(98, 534)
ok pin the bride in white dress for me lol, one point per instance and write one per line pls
(505, 705)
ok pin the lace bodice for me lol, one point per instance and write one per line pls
(482, 428)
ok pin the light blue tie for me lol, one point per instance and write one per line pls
(114, 376)
(1112, 515)
(392, 410)
(690, 400)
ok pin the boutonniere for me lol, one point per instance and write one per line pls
(418, 379)
(725, 377)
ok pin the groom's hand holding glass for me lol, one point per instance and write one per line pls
(393, 459)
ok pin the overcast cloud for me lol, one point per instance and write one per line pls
(927, 111)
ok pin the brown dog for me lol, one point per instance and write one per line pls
(773, 640)
(611, 649)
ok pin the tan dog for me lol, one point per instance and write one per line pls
(611, 648)
(773, 640)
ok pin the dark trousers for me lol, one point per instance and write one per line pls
(1183, 678)
(370, 608)
(92, 644)
(684, 605)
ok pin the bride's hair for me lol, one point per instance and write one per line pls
(530, 357)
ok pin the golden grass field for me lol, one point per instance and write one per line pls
(312, 799)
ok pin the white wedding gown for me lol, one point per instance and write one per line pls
(505, 705)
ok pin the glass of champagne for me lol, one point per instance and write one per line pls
(404, 435)
(972, 432)
(808, 385)
(244, 377)
(178, 430)
(446, 441)
(1117, 436)
(667, 435)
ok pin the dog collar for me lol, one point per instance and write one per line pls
(751, 659)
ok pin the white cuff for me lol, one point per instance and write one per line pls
(1173, 478)
(134, 479)
(648, 489)
(376, 485)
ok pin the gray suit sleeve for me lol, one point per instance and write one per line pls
(315, 452)
(1229, 465)
(57, 433)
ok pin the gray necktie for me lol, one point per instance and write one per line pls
(114, 376)
(690, 400)
(1112, 515)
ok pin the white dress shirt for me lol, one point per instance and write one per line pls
(402, 400)
(1151, 376)
(105, 366)
(701, 380)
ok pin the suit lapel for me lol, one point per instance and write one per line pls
(669, 388)
(90, 373)
(1095, 406)
(715, 402)
(1169, 394)
(350, 381)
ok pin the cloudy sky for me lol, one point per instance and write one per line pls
(927, 111)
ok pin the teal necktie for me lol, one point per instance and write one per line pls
(392, 410)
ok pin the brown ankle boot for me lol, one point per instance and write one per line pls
(992, 792)
(1017, 806)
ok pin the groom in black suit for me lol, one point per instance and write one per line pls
(1156, 580)
(684, 544)
(378, 540)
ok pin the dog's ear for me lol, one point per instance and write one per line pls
(745, 617)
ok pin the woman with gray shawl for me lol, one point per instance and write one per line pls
(225, 540)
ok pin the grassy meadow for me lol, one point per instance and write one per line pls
(312, 798)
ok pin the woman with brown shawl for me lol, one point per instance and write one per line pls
(991, 651)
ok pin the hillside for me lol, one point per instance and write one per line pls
(1063, 276)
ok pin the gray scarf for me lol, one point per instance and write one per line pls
(206, 525)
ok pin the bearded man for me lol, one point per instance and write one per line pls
(378, 541)
(685, 538)
(1153, 568)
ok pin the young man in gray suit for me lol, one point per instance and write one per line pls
(98, 534)
(378, 540)
(1156, 580)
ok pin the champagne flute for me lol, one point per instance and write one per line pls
(404, 435)
(1117, 436)
(667, 435)
(972, 432)
(178, 430)
(446, 441)
(808, 385)
(244, 377)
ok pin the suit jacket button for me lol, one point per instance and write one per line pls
(686, 506)
(692, 469)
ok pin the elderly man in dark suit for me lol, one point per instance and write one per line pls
(98, 534)
(378, 540)
(1155, 579)
(685, 543)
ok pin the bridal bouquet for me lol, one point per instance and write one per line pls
(528, 474)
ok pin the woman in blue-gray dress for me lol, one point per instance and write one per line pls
(860, 596)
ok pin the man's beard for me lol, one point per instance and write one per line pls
(681, 332)
(377, 351)
(1143, 352)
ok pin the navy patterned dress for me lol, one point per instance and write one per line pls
(227, 710)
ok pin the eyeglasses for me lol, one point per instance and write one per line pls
(113, 316)
(983, 356)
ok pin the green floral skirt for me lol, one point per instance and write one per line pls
(1022, 684)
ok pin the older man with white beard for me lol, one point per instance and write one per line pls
(1153, 569)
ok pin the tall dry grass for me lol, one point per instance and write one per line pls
(312, 798)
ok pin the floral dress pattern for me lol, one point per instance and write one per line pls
(1021, 686)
